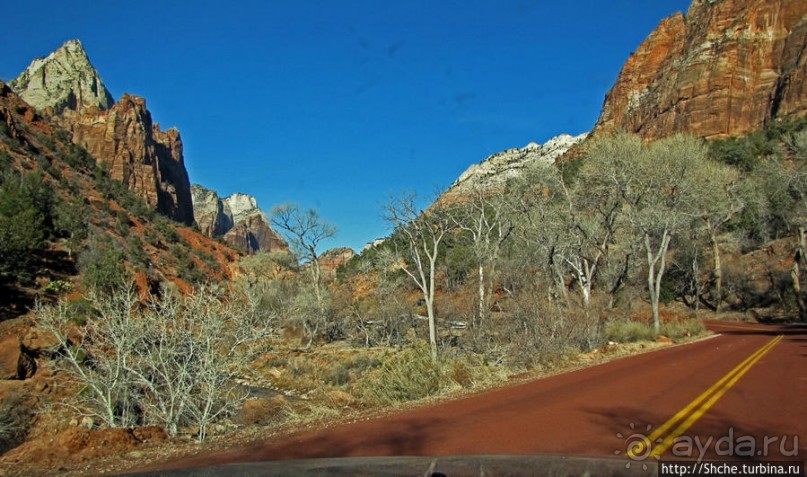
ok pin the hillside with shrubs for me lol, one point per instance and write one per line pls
(134, 328)
(129, 338)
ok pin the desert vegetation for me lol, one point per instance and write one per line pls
(630, 242)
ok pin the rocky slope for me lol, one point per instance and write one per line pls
(494, 172)
(723, 69)
(154, 249)
(65, 87)
(236, 218)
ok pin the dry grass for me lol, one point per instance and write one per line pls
(632, 331)
(410, 374)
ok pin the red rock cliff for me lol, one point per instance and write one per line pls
(725, 68)
(65, 86)
(137, 152)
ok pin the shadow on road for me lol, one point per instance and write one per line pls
(404, 437)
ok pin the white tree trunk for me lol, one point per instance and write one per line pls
(482, 307)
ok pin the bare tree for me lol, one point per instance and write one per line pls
(172, 364)
(423, 231)
(306, 230)
(606, 184)
(486, 219)
(541, 206)
(664, 202)
(787, 194)
(721, 199)
(98, 356)
(653, 187)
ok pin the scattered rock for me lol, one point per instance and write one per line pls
(87, 422)
(40, 341)
(15, 361)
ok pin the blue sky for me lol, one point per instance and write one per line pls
(338, 104)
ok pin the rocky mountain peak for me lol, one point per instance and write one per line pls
(237, 218)
(65, 87)
(241, 206)
(496, 170)
(65, 79)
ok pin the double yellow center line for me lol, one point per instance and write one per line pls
(697, 408)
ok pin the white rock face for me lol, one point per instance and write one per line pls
(497, 169)
(373, 244)
(65, 79)
(208, 211)
(241, 206)
(236, 218)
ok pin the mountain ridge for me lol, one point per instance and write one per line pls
(64, 79)
(120, 135)
(492, 173)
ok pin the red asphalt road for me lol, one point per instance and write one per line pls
(589, 412)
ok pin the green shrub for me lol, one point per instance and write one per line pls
(61, 136)
(57, 287)
(102, 266)
(78, 158)
(80, 310)
(48, 142)
(344, 372)
(628, 331)
(26, 222)
(5, 161)
(137, 251)
(70, 222)
(339, 375)
(166, 229)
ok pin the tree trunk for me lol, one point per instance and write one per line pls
(430, 312)
(717, 272)
(586, 295)
(432, 329)
(654, 298)
(696, 284)
(620, 281)
(654, 276)
(481, 294)
(795, 274)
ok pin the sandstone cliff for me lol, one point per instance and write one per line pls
(725, 68)
(138, 153)
(237, 219)
(334, 258)
(493, 173)
(65, 87)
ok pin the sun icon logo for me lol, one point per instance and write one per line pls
(637, 445)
